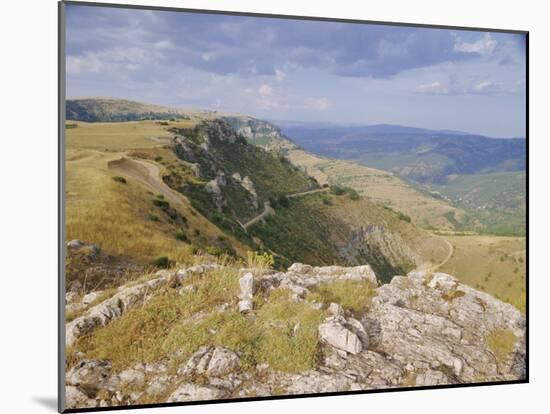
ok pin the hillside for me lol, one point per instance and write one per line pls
(222, 331)
(380, 186)
(236, 181)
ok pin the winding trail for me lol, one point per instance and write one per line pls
(447, 258)
(146, 173)
(267, 211)
(303, 193)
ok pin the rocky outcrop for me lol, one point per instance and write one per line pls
(127, 298)
(300, 278)
(194, 392)
(430, 321)
(335, 333)
(423, 329)
(248, 185)
(261, 133)
(246, 284)
(211, 361)
(215, 188)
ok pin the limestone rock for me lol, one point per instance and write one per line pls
(92, 375)
(112, 308)
(75, 244)
(194, 392)
(89, 298)
(246, 284)
(74, 398)
(431, 377)
(335, 309)
(335, 334)
(223, 361)
(132, 377)
(215, 362)
(158, 385)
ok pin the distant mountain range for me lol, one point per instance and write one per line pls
(421, 155)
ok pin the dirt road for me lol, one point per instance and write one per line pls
(303, 193)
(146, 173)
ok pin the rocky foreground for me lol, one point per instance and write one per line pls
(422, 329)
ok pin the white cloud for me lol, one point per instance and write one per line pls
(279, 75)
(484, 46)
(79, 64)
(484, 86)
(433, 88)
(164, 44)
(265, 89)
(320, 104)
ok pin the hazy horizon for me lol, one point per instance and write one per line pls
(301, 71)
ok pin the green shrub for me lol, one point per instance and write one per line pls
(162, 262)
(158, 158)
(283, 201)
(404, 217)
(163, 204)
(181, 236)
(337, 190)
(153, 217)
(353, 195)
(119, 179)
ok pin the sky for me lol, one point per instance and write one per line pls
(300, 70)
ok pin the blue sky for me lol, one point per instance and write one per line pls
(300, 70)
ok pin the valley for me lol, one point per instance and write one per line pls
(193, 186)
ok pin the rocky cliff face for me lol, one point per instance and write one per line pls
(422, 329)
(261, 133)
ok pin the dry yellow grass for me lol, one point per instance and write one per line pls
(493, 264)
(117, 216)
(283, 334)
(119, 136)
(114, 215)
(501, 342)
(354, 296)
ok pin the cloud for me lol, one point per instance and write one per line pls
(320, 104)
(250, 46)
(433, 88)
(485, 86)
(265, 90)
(468, 87)
(484, 46)
(279, 75)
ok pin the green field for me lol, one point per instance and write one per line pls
(496, 202)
